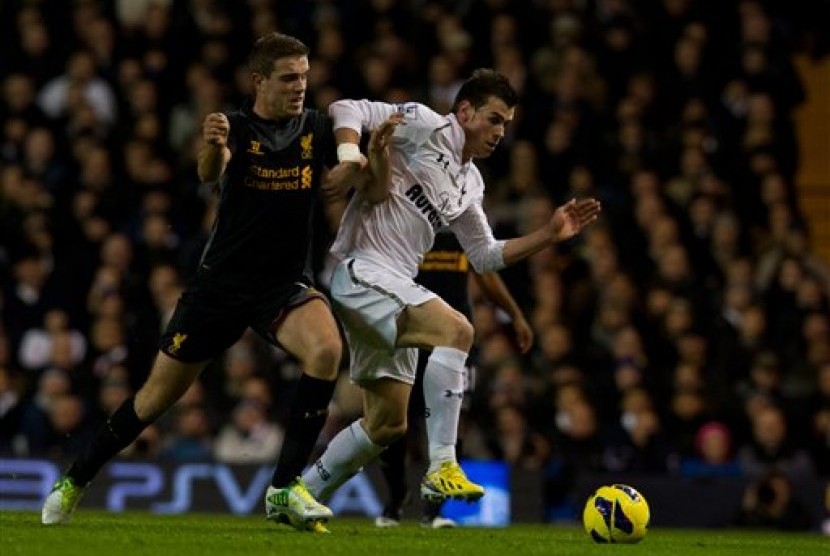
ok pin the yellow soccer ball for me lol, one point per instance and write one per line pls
(616, 514)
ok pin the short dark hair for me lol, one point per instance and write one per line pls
(270, 47)
(483, 84)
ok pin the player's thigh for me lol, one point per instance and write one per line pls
(204, 324)
(297, 317)
(368, 362)
(432, 324)
(308, 328)
(369, 300)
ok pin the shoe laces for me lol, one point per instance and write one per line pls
(302, 492)
(453, 472)
(70, 493)
(66, 486)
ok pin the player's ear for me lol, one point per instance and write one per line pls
(465, 111)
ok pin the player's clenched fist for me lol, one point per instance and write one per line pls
(215, 129)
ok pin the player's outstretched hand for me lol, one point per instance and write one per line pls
(215, 129)
(569, 219)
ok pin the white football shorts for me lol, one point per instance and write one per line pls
(368, 299)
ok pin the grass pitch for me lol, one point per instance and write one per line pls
(133, 533)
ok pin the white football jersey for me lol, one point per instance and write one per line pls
(430, 189)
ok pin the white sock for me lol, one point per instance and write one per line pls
(347, 452)
(443, 393)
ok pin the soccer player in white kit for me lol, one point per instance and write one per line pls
(425, 180)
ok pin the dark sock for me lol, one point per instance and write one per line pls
(306, 417)
(115, 434)
(393, 466)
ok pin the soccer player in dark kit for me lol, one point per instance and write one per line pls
(268, 158)
(446, 271)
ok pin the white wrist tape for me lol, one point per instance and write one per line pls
(348, 152)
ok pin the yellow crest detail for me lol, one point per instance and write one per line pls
(305, 145)
(307, 172)
(255, 148)
(178, 340)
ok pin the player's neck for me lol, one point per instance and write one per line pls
(260, 110)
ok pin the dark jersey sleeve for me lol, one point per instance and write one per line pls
(324, 130)
(233, 134)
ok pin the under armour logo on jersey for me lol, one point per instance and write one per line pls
(442, 160)
(451, 393)
(463, 192)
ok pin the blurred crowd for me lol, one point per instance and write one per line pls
(688, 332)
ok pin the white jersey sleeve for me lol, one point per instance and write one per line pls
(363, 115)
(484, 251)
(430, 188)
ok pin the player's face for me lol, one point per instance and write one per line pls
(282, 93)
(484, 127)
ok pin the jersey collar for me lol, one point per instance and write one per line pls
(248, 109)
(457, 138)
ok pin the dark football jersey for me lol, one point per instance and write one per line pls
(263, 227)
(444, 271)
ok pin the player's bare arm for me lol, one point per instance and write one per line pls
(334, 200)
(354, 170)
(214, 153)
(567, 221)
(496, 291)
(340, 179)
(376, 189)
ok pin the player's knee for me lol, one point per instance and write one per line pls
(384, 434)
(323, 359)
(461, 333)
(391, 434)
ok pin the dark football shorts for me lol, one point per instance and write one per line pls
(207, 320)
